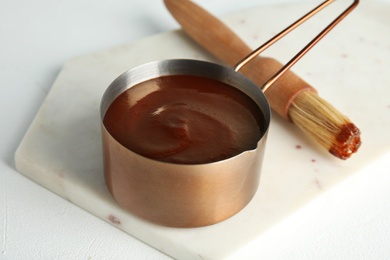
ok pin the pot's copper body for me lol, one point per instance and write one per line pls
(182, 195)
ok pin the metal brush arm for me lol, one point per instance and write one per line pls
(300, 54)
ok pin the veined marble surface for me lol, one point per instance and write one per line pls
(61, 150)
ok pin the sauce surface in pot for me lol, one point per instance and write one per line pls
(185, 119)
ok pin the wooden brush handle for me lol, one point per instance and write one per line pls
(221, 41)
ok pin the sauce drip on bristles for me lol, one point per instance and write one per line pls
(320, 120)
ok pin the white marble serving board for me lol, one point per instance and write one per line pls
(62, 148)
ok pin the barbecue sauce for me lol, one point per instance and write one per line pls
(185, 119)
(347, 141)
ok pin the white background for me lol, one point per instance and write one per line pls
(36, 38)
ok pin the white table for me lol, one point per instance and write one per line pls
(37, 37)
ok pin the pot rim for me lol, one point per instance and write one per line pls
(156, 69)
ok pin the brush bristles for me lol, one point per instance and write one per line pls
(320, 120)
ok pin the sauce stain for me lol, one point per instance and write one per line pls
(114, 220)
(347, 142)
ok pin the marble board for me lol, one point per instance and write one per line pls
(62, 148)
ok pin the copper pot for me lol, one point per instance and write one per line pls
(182, 195)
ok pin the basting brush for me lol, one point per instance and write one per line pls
(289, 96)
